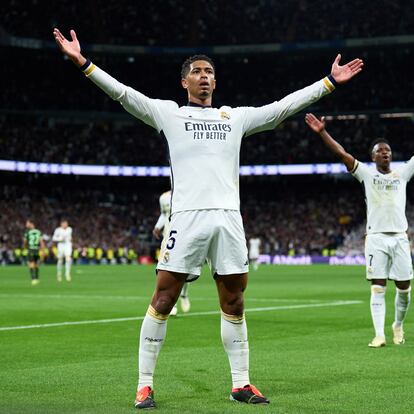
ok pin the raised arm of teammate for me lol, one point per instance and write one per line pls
(318, 126)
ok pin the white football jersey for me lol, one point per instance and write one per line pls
(165, 203)
(63, 236)
(204, 142)
(385, 195)
(165, 209)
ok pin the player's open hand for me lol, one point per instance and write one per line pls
(344, 73)
(317, 125)
(70, 48)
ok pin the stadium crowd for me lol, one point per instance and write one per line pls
(79, 124)
(113, 223)
(206, 23)
(378, 87)
(100, 219)
(297, 225)
(289, 219)
(131, 143)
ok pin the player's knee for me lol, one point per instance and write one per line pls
(379, 282)
(403, 284)
(233, 306)
(163, 303)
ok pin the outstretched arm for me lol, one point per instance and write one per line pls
(269, 116)
(146, 109)
(318, 126)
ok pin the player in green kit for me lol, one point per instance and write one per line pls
(33, 242)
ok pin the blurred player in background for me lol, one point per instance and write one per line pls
(206, 224)
(387, 249)
(63, 237)
(161, 229)
(33, 242)
(254, 251)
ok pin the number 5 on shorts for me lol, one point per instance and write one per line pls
(171, 240)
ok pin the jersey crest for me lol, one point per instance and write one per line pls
(224, 115)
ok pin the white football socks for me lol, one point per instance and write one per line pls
(153, 332)
(255, 264)
(59, 268)
(402, 301)
(378, 308)
(184, 290)
(236, 345)
(68, 264)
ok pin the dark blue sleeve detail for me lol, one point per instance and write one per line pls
(333, 81)
(85, 65)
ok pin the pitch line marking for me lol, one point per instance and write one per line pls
(186, 315)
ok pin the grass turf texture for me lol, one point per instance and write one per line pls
(305, 360)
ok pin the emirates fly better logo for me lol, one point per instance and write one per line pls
(213, 130)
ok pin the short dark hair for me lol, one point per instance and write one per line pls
(377, 141)
(185, 68)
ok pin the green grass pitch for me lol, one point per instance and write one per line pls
(308, 328)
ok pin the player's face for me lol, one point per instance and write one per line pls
(29, 224)
(64, 224)
(382, 154)
(200, 81)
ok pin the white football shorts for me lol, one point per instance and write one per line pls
(196, 236)
(388, 256)
(64, 250)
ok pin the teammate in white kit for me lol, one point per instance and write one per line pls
(161, 229)
(204, 146)
(63, 238)
(254, 251)
(387, 249)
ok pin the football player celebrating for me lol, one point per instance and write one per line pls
(204, 147)
(387, 249)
